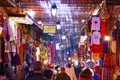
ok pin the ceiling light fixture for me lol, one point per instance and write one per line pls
(83, 21)
(63, 37)
(58, 25)
(54, 9)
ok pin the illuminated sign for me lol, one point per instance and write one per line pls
(49, 29)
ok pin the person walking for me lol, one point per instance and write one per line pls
(86, 74)
(62, 75)
(37, 72)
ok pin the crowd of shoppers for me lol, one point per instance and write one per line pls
(37, 71)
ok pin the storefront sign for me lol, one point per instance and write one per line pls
(49, 29)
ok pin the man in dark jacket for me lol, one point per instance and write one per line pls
(37, 73)
(62, 75)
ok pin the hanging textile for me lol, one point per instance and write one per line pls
(109, 60)
(3, 33)
(114, 34)
(104, 31)
(96, 56)
(110, 23)
(52, 50)
(96, 23)
(7, 46)
(80, 51)
(95, 48)
(22, 52)
(71, 53)
(109, 64)
(113, 46)
(1, 18)
(107, 73)
(89, 25)
(106, 46)
(6, 26)
(18, 37)
(15, 58)
(95, 38)
(13, 30)
(82, 40)
(7, 57)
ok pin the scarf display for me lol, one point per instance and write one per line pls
(96, 23)
(96, 37)
(104, 31)
(6, 26)
(52, 50)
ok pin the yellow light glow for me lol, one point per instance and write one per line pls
(69, 58)
(95, 12)
(107, 38)
(73, 59)
(45, 61)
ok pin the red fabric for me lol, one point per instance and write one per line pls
(97, 68)
(1, 18)
(109, 60)
(103, 27)
(89, 25)
(95, 48)
(78, 52)
(7, 57)
(107, 73)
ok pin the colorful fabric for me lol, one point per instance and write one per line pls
(107, 73)
(95, 48)
(109, 60)
(114, 34)
(7, 57)
(3, 34)
(3, 77)
(113, 46)
(95, 38)
(96, 23)
(6, 26)
(89, 25)
(15, 59)
(103, 27)
(82, 38)
(96, 56)
(106, 46)
(18, 37)
(1, 18)
(52, 50)
(96, 77)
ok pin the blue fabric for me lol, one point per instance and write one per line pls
(96, 77)
(6, 27)
(106, 45)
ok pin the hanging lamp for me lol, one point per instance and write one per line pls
(54, 9)
(58, 25)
